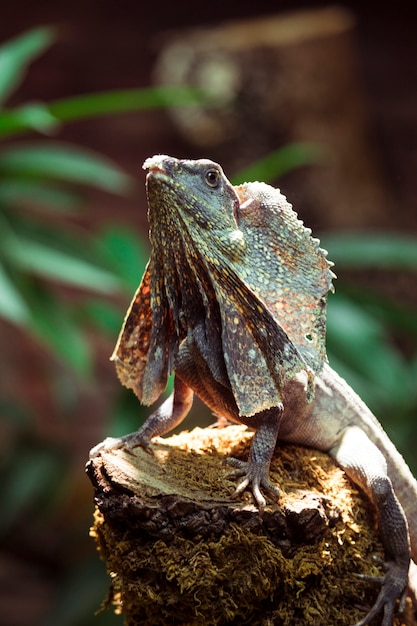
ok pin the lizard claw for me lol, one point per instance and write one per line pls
(127, 443)
(394, 586)
(255, 477)
(107, 445)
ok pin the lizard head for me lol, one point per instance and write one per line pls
(194, 197)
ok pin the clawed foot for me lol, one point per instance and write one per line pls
(254, 476)
(221, 422)
(393, 586)
(127, 443)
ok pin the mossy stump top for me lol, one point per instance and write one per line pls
(180, 549)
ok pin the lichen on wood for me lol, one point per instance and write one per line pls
(180, 549)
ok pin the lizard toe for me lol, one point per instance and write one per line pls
(393, 587)
(254, 477)
(127, 443)
(107, 445)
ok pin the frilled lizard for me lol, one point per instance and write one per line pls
(233, 300)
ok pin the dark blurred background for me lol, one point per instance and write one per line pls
(323, 102)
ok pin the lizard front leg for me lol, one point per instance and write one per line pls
(255, 470)
(171, 413)
(366, 466)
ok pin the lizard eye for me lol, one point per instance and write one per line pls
(212, 178)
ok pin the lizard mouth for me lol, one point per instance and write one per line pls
(158, 165)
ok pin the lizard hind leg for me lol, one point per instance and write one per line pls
(366, 466)
(255, 470)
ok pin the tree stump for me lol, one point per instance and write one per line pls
(180, 549)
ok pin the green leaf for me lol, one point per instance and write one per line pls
(103, 316)
(53, 326)
(61, 252)
(127, 254)
(29, 481)
(33, 116)
(37, 258)
(17, 54)
(13, 307)
(359, 250)
(392, 313)
(52, 323)
(33, 194)
(127, 414)
(46, 117)
(359, 340)
(109, 102)
(413, 369)
(63, 162)
(280, 162)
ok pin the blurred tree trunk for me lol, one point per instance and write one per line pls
(278, 80)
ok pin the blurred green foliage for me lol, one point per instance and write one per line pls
(279, 162)
(43, 254)
(40, 248)
(372, 333)
(37, 193)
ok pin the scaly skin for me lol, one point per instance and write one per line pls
(234, 301)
